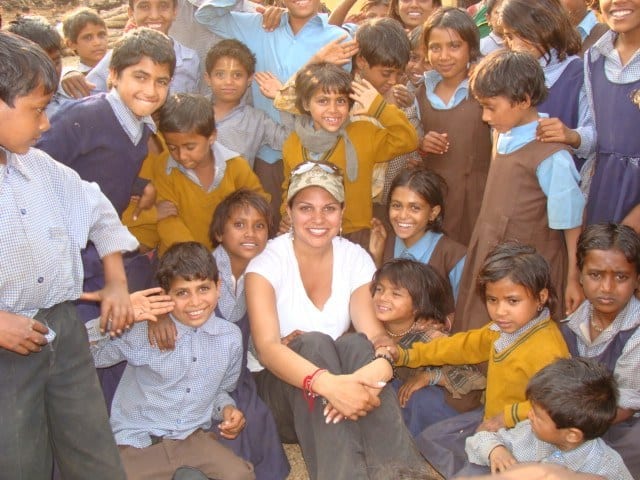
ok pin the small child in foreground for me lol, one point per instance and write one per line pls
(515, 283)
(166, 401)
(573, 402)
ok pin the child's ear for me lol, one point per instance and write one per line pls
(111, 79)
(574, 436)
(526, 103)
(212, 137)
(435, 212)
(361, 63)
(543, 296)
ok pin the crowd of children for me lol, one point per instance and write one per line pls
(484, 161)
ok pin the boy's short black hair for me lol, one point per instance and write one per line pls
(322, 75)
(517, 76)
(430, 293)
(383, 41)
(132, 3)
(139, 43)
(522, 265)
(609, 236)
(231, 48)
(428, 185)
(79, 18)
(240, 199)
(187, 113)
(187, 260)
(24, 66)
(37, 29)
(457, 20)
(576, 393)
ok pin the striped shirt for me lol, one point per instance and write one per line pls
(48, 215)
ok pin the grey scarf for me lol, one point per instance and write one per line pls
(321, 141)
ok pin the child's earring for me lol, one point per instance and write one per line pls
(540, 307)
(340, 232)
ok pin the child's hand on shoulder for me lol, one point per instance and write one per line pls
(553, 130)
(363, 94)
(233, 422)
(148, 304)
(268, 83)
(501, 459)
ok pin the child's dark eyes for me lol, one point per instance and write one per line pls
(238, 225)
(204, 289)
(621, 277)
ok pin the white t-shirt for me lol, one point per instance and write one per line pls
(352, 268)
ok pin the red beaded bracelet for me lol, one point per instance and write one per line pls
(307, 384)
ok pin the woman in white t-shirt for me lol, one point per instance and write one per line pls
(303, 292)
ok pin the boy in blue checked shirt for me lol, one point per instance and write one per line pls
(50, 400)
(167, 399)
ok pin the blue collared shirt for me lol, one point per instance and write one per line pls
(171, 393)
(432, 79)
(422, 250)
(131, 123)
(221, 155)
(48, 215)
(280, 52)
(586, 124)
(557, 176)
(186, 77)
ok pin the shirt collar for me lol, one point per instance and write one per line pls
(211, 326)
(586, 24)
(432, 78)
(221, 155)
(628, 318)
(417, 251)
(505, 340)
(528, 130)
(319, 18)
(14, 162)
(132, 124)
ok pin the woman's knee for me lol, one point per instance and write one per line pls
(319, 348)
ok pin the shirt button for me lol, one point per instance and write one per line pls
(194, 359)
(40, 279)
(23, 211)
(178, 421)
(188, 390)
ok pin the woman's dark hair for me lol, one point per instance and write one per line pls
(457, 20)
(609, 236)
(240, 199)
(426, 183)
(543, 23)
(522, 265)
(430, 293)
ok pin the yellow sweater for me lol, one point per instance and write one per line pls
(373, 144)
(195, 205)
(509, 371)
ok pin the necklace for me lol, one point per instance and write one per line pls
(401, 334)
(597, 326)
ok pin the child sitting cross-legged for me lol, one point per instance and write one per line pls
(167, 400)
(573, 403)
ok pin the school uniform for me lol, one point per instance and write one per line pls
(465, 165)
(52, 396)
(590, 31)
(532, 195)
(613, 89)
(618, 348)
(259, 441)
(445, 255)
(101, 139)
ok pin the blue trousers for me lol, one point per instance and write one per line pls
(51, 406)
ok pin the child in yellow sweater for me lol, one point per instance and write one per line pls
(325, 93)
(198, 174)
(521, 339)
